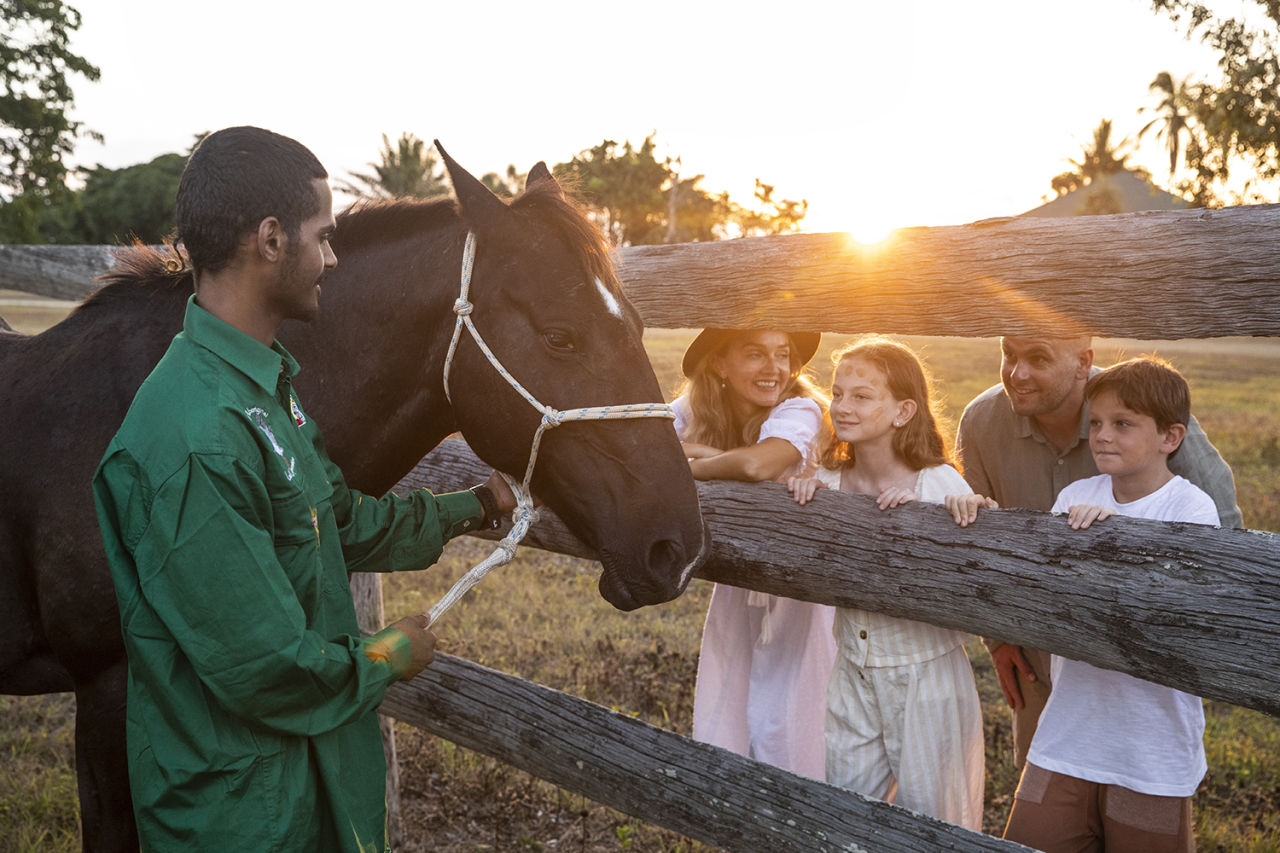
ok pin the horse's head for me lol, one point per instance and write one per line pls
(547, 302)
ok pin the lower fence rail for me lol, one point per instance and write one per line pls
(701, 791)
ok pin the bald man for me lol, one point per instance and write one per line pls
(1020, 442)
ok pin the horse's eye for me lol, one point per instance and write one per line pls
(559, 340)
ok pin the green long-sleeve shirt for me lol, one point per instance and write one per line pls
(230, 533)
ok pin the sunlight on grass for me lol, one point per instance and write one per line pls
(542, 618)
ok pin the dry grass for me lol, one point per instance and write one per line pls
(541, 618)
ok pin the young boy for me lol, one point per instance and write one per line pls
(1116, 759)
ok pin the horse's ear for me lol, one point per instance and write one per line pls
(541, 174)
(476, 203)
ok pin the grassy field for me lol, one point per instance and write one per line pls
(541, 618)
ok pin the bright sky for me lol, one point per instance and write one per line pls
(881, 114)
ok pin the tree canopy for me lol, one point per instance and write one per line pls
(37, 132)
(638, 199)
(1232, 123)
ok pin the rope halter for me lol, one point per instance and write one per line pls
(525, 513)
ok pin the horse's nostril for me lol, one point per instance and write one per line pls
(666, 560)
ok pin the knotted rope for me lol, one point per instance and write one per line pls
(525, 513)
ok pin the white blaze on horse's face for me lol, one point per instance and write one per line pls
(610, 301)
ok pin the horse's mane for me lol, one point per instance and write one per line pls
(371, 221)
(545, 201)
(139, 266)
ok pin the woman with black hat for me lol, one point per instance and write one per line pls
(746, 413)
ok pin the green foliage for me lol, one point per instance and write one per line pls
(637, 199)
(36, 132)
(1231, 125)
(119, 204)
(508, 184)
(408, 170)
(624, 185)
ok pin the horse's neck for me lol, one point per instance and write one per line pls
(373, 370)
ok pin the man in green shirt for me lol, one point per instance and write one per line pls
(251, 719)
(1020, 442)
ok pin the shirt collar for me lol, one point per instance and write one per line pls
(263, 365)
(1025, 427)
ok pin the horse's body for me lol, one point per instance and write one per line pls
(547, 304)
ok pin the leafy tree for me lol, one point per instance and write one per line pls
(36, 133)
(775, 216)
(1233, 124)
(1100, 157)
(637, 199)
(624, 185)
(507, 184)
(119, 204)
(409, 170)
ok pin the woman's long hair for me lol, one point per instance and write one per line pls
(713, 423)
(920, 442)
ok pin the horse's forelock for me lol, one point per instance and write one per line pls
(544, 201)
(367, 221)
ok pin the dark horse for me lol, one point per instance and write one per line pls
(547, 302)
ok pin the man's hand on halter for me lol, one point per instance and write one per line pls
(501, 492)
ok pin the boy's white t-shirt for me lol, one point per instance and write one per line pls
(1112, 728)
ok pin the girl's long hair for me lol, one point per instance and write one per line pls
(712, 422)
(920, 444)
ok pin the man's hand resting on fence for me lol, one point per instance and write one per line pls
(1009, 660)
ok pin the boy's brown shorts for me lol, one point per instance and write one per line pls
(1058, 813)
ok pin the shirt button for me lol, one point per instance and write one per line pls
(862, 635)
(1061, 461)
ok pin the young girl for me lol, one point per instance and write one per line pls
(903, 718)
(746, 413)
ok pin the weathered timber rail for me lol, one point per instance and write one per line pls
(1218, 274)
(701, 791)
(1191, 607)
(1186, 605)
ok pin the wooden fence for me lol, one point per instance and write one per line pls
(1192, 607)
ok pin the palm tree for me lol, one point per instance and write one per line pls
(1099, 158)
(409, 170)
(1171, 114)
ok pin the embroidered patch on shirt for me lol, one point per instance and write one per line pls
(259, 418)
(298, 417)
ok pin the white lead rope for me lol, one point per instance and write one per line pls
(525, 513)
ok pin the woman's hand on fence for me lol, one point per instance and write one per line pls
(804, 488)
(895, 496)
(964, 508)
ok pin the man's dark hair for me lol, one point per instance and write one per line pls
(236, 178)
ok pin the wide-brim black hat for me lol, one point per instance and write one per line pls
(709, 340)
